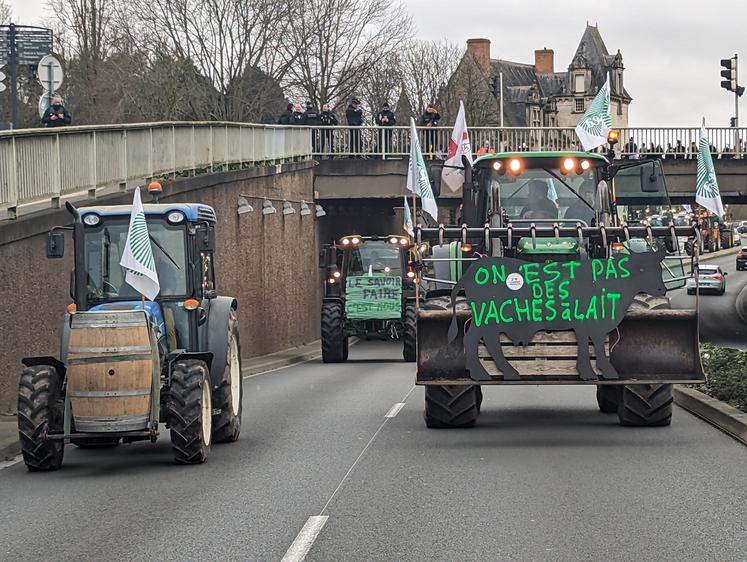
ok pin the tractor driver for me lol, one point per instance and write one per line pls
(539, 205)
(376, 263)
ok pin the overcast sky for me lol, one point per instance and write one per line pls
(671, 49)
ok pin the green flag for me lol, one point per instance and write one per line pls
(596, 123)
(417, 175)
(707, 193)
(137, 257)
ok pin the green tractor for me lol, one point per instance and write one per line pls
(524, 288)
(369, 292)
(127, 364)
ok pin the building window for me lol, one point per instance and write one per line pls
(580, 105)
(578, 84)
(535, 117)
(619, 108)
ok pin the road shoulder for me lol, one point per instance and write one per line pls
(717, 413)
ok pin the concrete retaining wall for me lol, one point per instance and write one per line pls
(269, 263)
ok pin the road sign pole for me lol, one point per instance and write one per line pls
(13, 60)
(50, 83)
(736, 111)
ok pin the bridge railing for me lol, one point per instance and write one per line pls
(43, 165)
(385, 142)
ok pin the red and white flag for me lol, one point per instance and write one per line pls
(452, 173)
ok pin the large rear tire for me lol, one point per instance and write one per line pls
(452, 406)
(228, 397)
(645, 405)
(608, 398)
(409, 348)
(189, 411)
(40, 410)
(333, 338)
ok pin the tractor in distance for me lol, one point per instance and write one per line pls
(369, 292)
(536, 228)
(127, 363)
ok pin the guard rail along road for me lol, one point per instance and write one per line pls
(38, 167)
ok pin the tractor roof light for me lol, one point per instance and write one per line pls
(404, 241)
(393, 240)
(515, 166)
(497, 165)
(331, 280)
(355, 241)
(585, 165)
(155, 188)
(345, 241)
(411, 274)
(568, 165)
(191, 304)
(175, 217)
(91, 219)
(612, 137)
(336, 274)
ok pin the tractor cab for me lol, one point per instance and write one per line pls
(181, 239)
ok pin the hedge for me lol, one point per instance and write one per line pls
(726, 369)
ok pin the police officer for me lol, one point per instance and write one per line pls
(354, 117)
(311, 119)
(327, 119)
(385, 118)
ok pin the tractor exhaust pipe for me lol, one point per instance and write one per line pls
(80, 291)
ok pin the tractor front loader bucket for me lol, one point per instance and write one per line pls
(649, 346)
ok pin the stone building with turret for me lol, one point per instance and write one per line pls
(535, 95)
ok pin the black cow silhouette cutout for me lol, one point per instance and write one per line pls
(521, 298)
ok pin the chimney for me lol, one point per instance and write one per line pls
(544, 61)
(480, 48)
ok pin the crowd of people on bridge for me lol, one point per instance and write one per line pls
(358, 143)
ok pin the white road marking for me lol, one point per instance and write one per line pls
(305, 539)
(11, 462)
(394, 410)
(314, 358)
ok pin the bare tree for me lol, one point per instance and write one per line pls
(6, 13)
(470, 84)
(339, 41)
(426, 68)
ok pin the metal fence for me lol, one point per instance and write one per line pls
(43, 165)
(394, 142)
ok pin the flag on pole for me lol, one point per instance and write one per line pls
(596, 123)
(707, 192)
(452, 174)
(407, 222)
(417, 175)
(137, 257)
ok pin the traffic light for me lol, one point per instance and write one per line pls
(730, 73)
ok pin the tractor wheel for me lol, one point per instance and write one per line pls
(40, 409)
(608, 398)
(189, 409)
(409, 349)
(333, 338)
(96, 442)
(228, 396)
(452, 406)
(643, 301)
(645, 405)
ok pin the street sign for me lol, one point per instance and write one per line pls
(49, 72)
(43, 104)
(32, 43)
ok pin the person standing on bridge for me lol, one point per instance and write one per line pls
(354, 117)
(430, 119)
(286, 116)
(56, 115)
(385, 118)
(311, 119)
(327, 119)
(297, 117)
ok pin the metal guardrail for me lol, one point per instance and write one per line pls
(385, 142)
(44, 165)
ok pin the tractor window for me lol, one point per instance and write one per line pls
(544, 195)
(105, 245)
(374, 257)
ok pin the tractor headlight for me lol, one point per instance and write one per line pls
(175, 217)
(91, 220)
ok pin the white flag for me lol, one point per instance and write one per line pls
(417, 175)
(596, 123)
(452, 173)
(407, 222)
(137, 257)
(707, 192)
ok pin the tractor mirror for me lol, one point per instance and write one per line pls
(322, 258)
(206, 239)
(55, 245)
(651, 178)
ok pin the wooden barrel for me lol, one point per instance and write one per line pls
(110, 371)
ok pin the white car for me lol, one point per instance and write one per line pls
(711, 278)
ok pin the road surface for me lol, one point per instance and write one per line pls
(544, 476)
(719, 321)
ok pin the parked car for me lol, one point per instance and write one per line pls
(742, 259)
(742, 228)
(711, 278)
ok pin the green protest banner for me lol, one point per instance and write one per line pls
(373, 297)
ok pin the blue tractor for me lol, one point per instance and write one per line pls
(127, 364)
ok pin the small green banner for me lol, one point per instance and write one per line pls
(373, 297)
